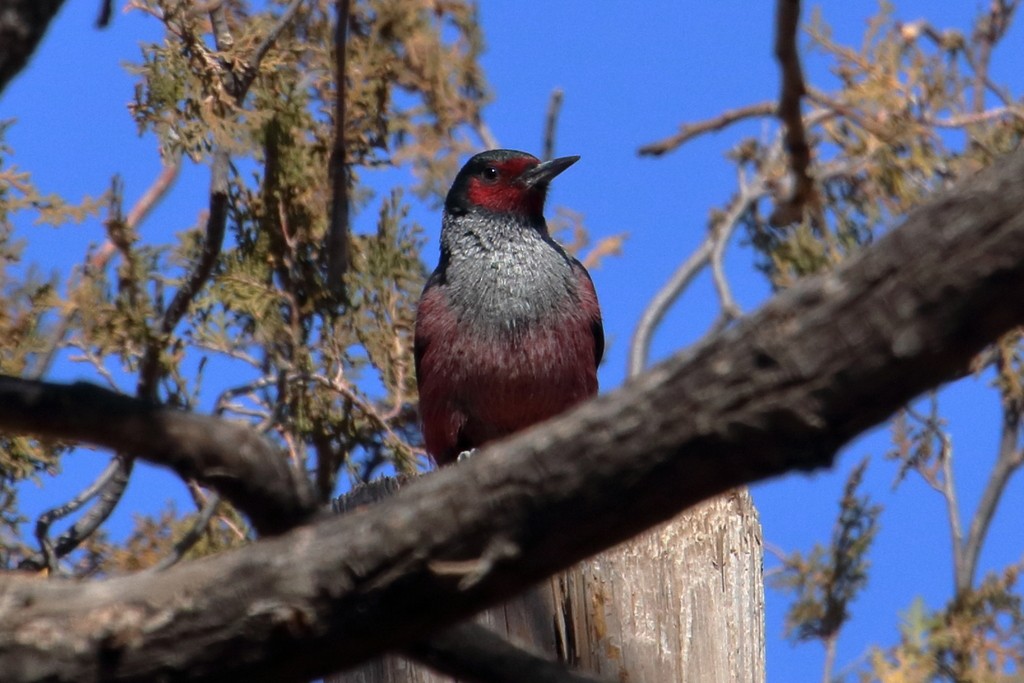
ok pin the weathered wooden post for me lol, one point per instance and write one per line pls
(683, 602)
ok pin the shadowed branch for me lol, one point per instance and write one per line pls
(229, 457)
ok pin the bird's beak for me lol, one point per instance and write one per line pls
(543, 173)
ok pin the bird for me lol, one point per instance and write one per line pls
(508, 328)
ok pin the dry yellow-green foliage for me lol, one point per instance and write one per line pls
(904, 119)
(912, 109)
(262, 339)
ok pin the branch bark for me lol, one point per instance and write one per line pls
(338, 230)
(229, 457)
(22, 25)
(475, 654)
(781, 390)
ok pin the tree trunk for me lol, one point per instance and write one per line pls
(682, 602)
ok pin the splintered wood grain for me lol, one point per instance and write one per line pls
(683, 602)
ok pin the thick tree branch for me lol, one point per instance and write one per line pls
(229, 457)
(22, 25)
(779, 391)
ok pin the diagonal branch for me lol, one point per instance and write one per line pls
(273, 34)
(709, 253)
(192, 536)
(551, 123)
(112, 482)
(779, 391)
(229, 457)
(1009, 459)
(216, 226)
(468, 651)
(689, 131)
(50, 551)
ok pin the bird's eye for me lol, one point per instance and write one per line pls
(490, 173)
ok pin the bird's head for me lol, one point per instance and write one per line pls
(504, 181)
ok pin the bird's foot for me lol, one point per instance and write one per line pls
(465, 455)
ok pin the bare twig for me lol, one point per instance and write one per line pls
(106, 12)
(216, 225)
(153, 194)
(659, 305)
(192, 536)
(823, 99)
(49, 555)
(109, 486)
(261, 50)
(949, 493)
(730, 309)
(138, 213)
(551, 123)
(222, 403)
(1008, 460)
(688, 131)
(946, 483)
(970, 119)
(790, 209)
(990, 29)
(338, 231)
(830, 658)
(486, 135)
(708, 253)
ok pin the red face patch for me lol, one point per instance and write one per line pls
(504, 193)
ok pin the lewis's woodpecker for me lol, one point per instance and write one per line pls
(508, 329)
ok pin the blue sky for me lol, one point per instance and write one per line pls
(629, 77)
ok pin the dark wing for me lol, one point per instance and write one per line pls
(421, 339)
(588, 299)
